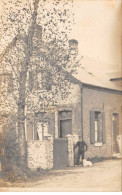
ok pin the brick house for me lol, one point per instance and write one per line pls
(84, 104)
(92, 109)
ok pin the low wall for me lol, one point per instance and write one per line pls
(40, 154)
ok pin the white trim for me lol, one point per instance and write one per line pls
(98, 144)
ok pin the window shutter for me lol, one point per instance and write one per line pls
(103, 127)
(29, 129)
(29, 126)
(100, 128)
(92, 127)
(36, 137)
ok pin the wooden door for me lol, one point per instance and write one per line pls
(115, 133)
(60, 153)
(65, 128)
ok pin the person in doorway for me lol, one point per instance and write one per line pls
(82, 148)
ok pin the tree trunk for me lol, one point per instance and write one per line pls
(21, 117)
(22, 87)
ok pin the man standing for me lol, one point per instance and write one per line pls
(82, 148)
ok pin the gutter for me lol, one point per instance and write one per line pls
(100, 88)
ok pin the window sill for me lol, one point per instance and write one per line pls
(98, 144)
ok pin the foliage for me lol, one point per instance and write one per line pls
(35, 56)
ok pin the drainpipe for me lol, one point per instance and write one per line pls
(81, 89)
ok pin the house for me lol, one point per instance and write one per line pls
(101, 114)
(61, 106)
(116, 77)
(92, 109)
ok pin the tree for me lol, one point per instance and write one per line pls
(39, 42)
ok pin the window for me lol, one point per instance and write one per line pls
(97, 128)
(35, 80)
(30, 131)
(42, 130)
(115, 127)
(36, 127)
(65, 123)
(36, 132)
(115, 117)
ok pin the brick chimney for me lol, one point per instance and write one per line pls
(73, 49)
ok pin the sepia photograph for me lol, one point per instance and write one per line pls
(60, 95)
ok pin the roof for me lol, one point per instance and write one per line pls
(96, 76)
(85, 73)
(115, 75)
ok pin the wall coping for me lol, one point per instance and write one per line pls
(38, 141)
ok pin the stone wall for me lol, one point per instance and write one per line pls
(40, 154)
(72, 154)
(107, 102)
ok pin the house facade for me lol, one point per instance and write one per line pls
(60, 107)
(86, 104)
(51, 125)
(90, 111)
(102, 112)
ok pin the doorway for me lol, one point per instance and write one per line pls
(115, 132)
(65, 123)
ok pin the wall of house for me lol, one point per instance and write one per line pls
(73, 103)
(70, 101)
(40, 154)
(107, 102)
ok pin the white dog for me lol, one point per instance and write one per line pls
(87, 163)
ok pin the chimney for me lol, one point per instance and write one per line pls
(73, 46)
(73, 49)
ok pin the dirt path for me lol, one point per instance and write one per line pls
(102, 176)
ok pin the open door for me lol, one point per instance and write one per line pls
(115, 133)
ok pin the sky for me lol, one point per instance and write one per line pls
(98, 30)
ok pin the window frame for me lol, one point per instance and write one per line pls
(100, 119)
(38, 118)
(63, 118)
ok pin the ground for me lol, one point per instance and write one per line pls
(102, 176)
